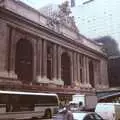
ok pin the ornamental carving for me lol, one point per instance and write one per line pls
(64, 11)
(62, 17)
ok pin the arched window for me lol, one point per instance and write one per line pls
(65, 69)
(91, 73)
(24, 61)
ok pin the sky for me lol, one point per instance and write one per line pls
(95, 19)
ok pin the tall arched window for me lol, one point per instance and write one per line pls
(65, 68)
(24, 61)
(91, 73)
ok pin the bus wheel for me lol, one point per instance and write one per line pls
(48, 114)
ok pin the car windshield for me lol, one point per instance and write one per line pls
(79, 116)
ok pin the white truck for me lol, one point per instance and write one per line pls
(83, 101)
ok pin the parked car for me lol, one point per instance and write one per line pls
(80, 116)
(108, 111)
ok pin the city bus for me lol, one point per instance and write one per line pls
(27, 105)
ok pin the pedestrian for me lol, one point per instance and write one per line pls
(81, 106)
(66, 114)
(61, 105)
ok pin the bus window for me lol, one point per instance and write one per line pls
(4, 99)
(47, 100)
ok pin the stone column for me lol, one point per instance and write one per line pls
(12, 54)
(75, 68)
(44, 60)
(84, 70)
(72, 69)
(34, 59)
(55, 62)
(59, 62)
(39, 60)
(97, 74)
(99, 81)
(87, 82)
(104, 74)
(59, 65)
(78, 68)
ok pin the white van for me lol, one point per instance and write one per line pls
(108, 111)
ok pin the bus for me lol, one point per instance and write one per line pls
(27, 105)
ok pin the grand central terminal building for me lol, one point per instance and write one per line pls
(48, 54)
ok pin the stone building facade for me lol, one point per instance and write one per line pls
(49, 55)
